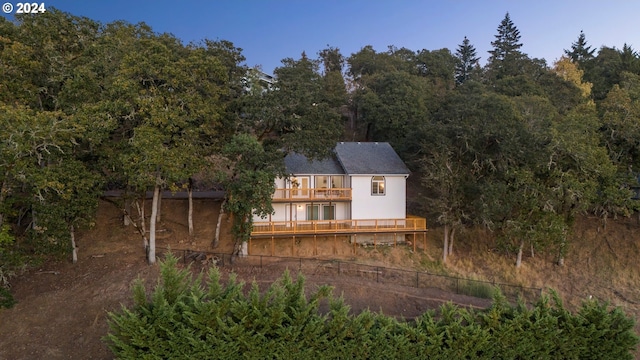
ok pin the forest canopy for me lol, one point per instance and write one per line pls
(517, 145)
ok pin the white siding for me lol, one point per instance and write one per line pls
(392, 205)
(280, 183)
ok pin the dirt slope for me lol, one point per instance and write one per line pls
(62, 308)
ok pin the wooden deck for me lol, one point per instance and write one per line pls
(312, 194)
(329, 227)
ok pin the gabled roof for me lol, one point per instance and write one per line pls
(353, 158)
(298, 164)
(369, 158)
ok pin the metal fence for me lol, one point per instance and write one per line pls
(379, 274)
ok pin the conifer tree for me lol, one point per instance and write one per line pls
(467, 60)
(580, 52)
(506, 55)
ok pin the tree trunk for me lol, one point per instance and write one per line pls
(190, 220)
(74, 248)
(34, 224)
(533, 254)
(445, 248)
(151, 252)
(451, 237)
(143, 228)
(159, 214)
(216, 239)
(561, 254)
(519, 257)
(127, 210)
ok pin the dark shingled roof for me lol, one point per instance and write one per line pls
(370, 158)
(298, 164)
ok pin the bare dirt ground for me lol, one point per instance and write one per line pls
(62, 307)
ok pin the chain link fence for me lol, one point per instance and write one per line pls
(378, 274)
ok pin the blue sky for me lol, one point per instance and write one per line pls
(270, 30)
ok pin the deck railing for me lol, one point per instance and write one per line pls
(312, 194)
(339, 226)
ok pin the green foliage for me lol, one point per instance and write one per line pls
(7, 260)
(467, 61)
(505, 59)
(476, 289)
(183, 319)
(249, 181)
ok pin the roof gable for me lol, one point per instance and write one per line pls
(369, 158)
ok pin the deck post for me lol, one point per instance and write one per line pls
(335, 236)
(355, 242)
(249, 249)
(293, 245)
(414, 243)
(315, 246)
(374, 241)
(425, 241)
(273, 246)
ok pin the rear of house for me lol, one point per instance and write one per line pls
(360, 191)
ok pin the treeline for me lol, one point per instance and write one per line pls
(517, 145)
(87, 107)
(183, 319)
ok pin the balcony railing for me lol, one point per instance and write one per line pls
(312, 227)
(312, 194)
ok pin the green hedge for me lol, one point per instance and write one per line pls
(185, 320)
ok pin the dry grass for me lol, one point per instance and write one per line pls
(601, 263)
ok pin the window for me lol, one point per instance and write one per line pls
(312, 212)
(322, 182)
(328, 212)
(377, 185)
(300, 183)
(336, 182)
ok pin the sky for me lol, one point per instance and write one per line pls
(271, 30)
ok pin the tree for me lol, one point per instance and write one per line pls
(604, 71)
(333, 81)
(166, 103)
(566, 69)
(506, 56)
(445, 180)
(293, 117)
(580, 52)
(467, 61)
(577, 163)
(393, 107)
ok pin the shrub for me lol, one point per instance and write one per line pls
(183, 319)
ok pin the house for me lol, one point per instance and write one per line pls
(359, 192)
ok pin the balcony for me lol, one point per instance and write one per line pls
(312, 194)
(330, 227)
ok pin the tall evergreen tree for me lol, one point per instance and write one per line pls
(506, 55)
(579, 51)
(467, 60)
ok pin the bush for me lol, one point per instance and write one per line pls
(183, 319)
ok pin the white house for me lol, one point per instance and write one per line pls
(360, 191)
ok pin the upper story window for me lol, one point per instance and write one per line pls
(377, 185)
(326, 182)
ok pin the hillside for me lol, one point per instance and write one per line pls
(62, 308)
